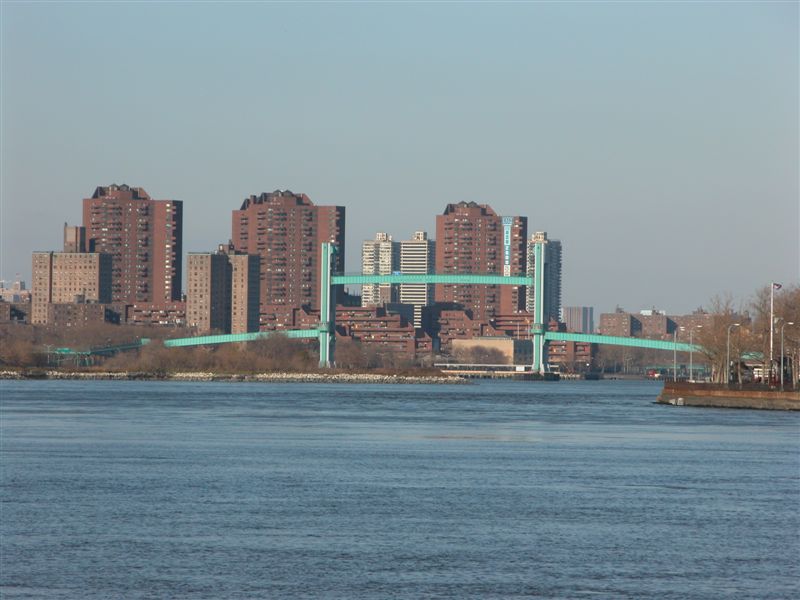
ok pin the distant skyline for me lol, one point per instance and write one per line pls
(658, 141)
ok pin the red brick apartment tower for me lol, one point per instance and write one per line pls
(144, 238)
(473, 238)
(286, 230)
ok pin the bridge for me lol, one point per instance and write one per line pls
(330, 282)
(538, 332)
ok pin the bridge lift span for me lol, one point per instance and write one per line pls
(539, 335)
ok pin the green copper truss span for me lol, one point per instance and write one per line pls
(101, 351)
(484, 279)
(204, 340)
(613, 340)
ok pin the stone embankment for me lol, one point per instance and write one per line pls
(723, 396)
(258, 377)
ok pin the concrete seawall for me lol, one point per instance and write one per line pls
(721, 396)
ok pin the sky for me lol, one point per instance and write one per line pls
(657, 141)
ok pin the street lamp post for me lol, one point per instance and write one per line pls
(728, 362)
(675, 353)
(781, 367)
(691, 353)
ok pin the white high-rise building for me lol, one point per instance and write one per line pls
(552, 276)
(417, 256)
(379, 257)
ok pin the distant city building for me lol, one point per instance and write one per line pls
(552, 275)
(13, 313)
(68, 277)
(144, 238)
(14, 291)
(80, 315)
(571, 357)
(222, 291)
(373, 326)
(473, 238)
(165, 314)
(245, 291)
(286, 231)
(417, 257)
(448, 323)
(378, 328)
(655, 324)
(579, 319)
(75, 239)
(697, 320)
(619, 323)
(208, 298)
(513, 351)
(380, 256)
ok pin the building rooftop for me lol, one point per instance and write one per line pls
(276, 196)
(120, 191)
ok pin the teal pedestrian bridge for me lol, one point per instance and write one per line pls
(331, 282)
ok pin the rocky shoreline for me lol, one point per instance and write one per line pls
(257, 378)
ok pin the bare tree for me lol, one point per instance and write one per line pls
(349, 354)
(480, 355)
(713, 338)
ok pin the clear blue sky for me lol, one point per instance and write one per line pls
(658, 141)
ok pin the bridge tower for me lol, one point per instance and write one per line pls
(538, 326)
(327, 307)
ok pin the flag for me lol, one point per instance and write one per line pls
(776, 286)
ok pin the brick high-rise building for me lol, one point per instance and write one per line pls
(75, 239)
(68, 277)
(473, 238)
(208, 297)
(222, 291)
(144, 238)
(417, 257)
(286, 231)
(245, 291)
(380, 256)
(619, 323)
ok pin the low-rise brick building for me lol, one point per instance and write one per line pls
(70, 314)
(170, 314)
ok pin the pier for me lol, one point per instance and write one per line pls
(724, 396)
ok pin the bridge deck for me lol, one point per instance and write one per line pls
(203, 340)
(612, 340)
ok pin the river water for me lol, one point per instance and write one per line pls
(492, 490)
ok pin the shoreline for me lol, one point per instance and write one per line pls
(278, 377)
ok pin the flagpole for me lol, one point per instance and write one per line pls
(771, 325)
